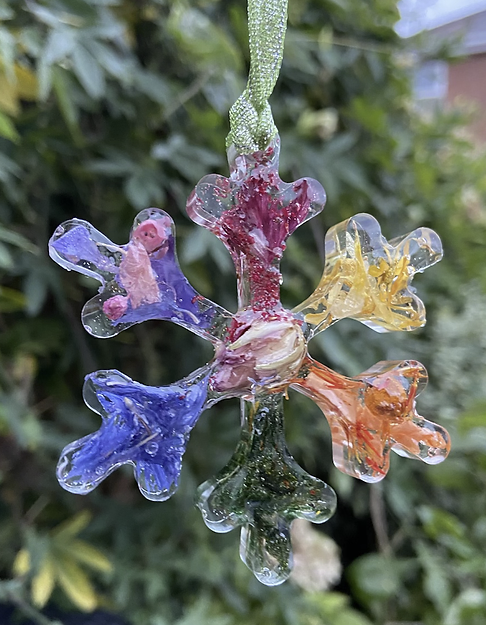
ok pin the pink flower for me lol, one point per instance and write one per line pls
(136, 274)
(115, 307)
(268, 352)
(153, 234)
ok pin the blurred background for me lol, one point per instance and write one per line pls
(111, 106)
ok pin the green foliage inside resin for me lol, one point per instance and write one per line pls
(263, 490)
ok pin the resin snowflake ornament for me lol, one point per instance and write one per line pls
(259, 352)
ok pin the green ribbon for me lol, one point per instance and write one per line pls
(251, 121)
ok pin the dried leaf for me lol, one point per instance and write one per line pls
(76, 585)
(21, 564)
(43, 583)
(89, 555)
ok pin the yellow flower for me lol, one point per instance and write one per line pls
(368, 279)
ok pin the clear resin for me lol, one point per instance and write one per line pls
(259, 352)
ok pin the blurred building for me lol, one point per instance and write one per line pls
(464, 79)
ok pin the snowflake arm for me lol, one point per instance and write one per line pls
(262, 489)
(373, 413)
(253, 212)
(368, 278)
(139, 281)
(147, 427)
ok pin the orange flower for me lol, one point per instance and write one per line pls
(373, 413)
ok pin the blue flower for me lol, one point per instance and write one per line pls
(147, 427)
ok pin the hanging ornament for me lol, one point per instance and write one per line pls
(262, 349)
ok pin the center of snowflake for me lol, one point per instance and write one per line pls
(264, 349)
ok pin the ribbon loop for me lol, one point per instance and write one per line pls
(251, 121)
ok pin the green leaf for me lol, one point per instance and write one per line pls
(371, 116)
(196, 245)
(60, 44)
(14, 238)
(11, 300)
(76, 584)
(468, 608)
(333, 608)
(44, 77)
(375, 576)
(87, 554)
(6, 260)
(113, 63)
(21, 565)
(66, 103)
(142, 190)
(88, 72)
(73, 526)
(20, 420)
(193, 162)
(7, 129)
(43, 582)
(437, 522)
(7, 52)
(202, 612)
(202, 39)
(437, 585)
(474, 417)
(114, 165)
(8, 95)
(8, 167)
(35, 291)
(153, 86)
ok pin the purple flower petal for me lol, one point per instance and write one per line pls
(145, 426)
(141, 280)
